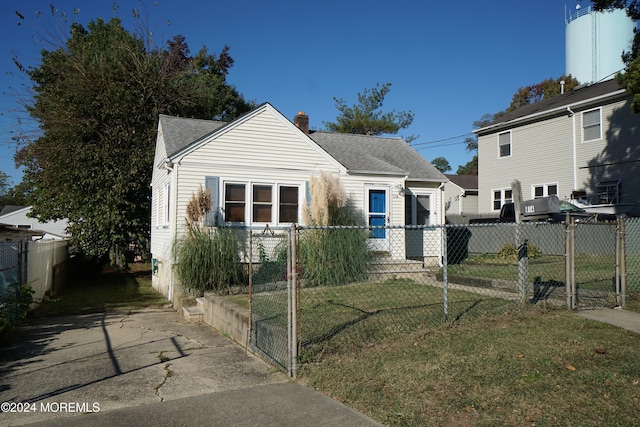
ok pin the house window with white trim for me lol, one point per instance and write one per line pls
(544, 190)
(591, 125)
(261, 203)
(288, 208)
(234, 202)
(504, 144)
(500, 197)
(609, 192)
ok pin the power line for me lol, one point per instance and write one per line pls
(442, 140)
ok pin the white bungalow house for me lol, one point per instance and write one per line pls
(461, 198)
(581, 146)
(18, 217)
(257, 169)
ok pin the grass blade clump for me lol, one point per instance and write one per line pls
(332, 256)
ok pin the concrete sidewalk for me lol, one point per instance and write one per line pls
(615, 316)
(150, 367)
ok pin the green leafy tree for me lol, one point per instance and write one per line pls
(545, 89)
(441, 164)
(470, 168)
(366, 117)
(97, 100)
(630, 79)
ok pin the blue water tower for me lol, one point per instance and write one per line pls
(595, 41)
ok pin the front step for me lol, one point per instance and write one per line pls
(193, 314)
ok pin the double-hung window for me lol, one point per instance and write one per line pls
(591, 125)
(234, 202)
(261, 203)
(504, 144)
(544, 190)
(288, 207)
(500, 197)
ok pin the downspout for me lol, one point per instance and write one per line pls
(442, 213)
(575, 156)
(173, 226)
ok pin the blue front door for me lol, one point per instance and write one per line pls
(378, 216)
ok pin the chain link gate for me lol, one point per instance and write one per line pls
(594, 254)
(269, 295)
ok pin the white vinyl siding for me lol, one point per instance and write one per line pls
(592, 125)
(540, 154)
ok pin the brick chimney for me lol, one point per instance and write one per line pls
(301, 120)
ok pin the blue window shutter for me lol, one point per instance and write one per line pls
(307, 192)
(212, 186)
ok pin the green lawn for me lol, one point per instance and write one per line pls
(592, 271)
(104, 292)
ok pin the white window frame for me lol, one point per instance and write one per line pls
(599, 124)
(609, 183)
(545, 189)
(500, 156)
(503, 198)
(412, 198)
(249, 202)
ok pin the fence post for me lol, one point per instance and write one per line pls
(445, 279)
(292, 281)
(623, 261)
(570, 263)
(523, 264)
(567, 263)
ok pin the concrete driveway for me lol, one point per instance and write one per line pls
(149, 367)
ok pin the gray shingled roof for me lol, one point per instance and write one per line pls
(179, 132)
(372, 154)
(468, 182)
(573, 97)
(357, 153)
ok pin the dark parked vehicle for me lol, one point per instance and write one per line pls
(544, 209)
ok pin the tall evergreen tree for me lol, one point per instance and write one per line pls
(366, 117)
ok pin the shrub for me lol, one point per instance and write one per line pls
(510, 252)
(270, 270)
(15, 307)
(208, 260)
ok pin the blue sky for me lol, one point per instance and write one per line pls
(449, 63)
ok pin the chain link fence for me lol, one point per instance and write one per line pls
(12, 272)
(631, 244)
(327, 287)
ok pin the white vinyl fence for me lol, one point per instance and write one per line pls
(46, 267)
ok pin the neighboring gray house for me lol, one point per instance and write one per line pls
(461, 198)
(582, 144)
(257, 169)
(17, 216)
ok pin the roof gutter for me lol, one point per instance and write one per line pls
(553, 111)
